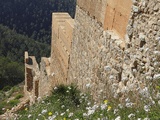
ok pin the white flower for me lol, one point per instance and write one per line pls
(159, 102)
(70, 115)
(39, 114)
(55, 88)
(29, 115)
(76, 119)
(90, 112)
(115, 111)
(88, 103)
(62, 106)
(118, 118)
(103, 106)
(69, 88)
(67, 110)
(67, 91)
(85, 115)
(131, 115)
(120, 106)
(62, 114)
(147, 108)
(146, 119)
(129, 105)
(52, 117)
(44, 111)
(139, 119)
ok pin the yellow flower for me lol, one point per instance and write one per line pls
(26, 109)
(105, 101)
(50, 113)
(64, 119)
(109, 108)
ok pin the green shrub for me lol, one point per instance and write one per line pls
(13, 102)
(18, 96)
(6, 88)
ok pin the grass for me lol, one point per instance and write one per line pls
(9, 97)
(68, 103)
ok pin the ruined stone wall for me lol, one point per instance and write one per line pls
(32, 74)
(104, 63)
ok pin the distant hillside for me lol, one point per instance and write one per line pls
(33, 17)
(13, 45)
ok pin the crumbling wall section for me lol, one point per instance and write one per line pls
(32, 73)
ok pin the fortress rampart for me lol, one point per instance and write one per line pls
(111, 48)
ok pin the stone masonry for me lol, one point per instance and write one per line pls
(40, 80)
(111, 48)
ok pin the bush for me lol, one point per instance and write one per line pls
(6, 88)
(13, 102)
(18, 96)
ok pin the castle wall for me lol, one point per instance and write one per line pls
(107, 65)
(62, 28)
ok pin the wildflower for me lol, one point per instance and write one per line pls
(44, 111)
(131, 115)
(3, 108)
(67, 110)
(109, 108)
(159, 102)
(139, 119)
(120, 106)
(115, 111)
(62, 114)
(29, 115)
(67, 91)
(146, 119)
(70, 115)
(129, 105)
(147, 108)
(105, 101)
(50, 113)
(103, 106)
(64, 119)
(62, 106)
(85, 115)
(39, 114)
(118, 118)
(90, 112)
(55, 88)
(26, 109)
(69, 88)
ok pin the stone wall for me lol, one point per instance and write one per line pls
(108, 54)
(107, 65)
(40, 81)
(62, 28)
(32, 74)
